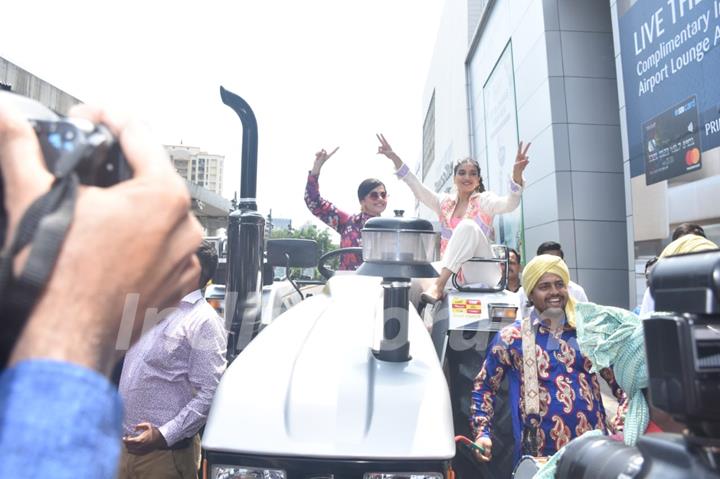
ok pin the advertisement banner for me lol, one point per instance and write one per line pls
(669, 49)
(670, 56)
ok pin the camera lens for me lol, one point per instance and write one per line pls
(599, 457)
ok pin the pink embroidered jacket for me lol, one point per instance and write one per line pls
(482, 208)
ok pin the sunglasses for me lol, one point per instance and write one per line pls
(377, 194)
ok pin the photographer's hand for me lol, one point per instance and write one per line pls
(113, 247)
(23, 172)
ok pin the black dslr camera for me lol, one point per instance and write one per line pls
(103, 163)
(683, 358)
(70, 147)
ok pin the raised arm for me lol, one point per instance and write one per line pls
(421, 192)
(327, 212)
(521, 161)
(496, 204)
(320, 158)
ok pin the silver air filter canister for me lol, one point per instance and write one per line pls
(397, 249)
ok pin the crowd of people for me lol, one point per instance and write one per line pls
(61, 417)
(554, 389)
(555, 396)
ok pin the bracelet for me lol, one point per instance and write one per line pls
(402, 171)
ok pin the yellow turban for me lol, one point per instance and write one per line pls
(547, 263)
(688, 244)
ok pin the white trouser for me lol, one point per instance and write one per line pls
(469, 241)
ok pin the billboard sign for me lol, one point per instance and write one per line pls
(670, 57)
(670, 54)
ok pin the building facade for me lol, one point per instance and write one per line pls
(198, 166)
(15, 79)
(551, 72)
(202, 169)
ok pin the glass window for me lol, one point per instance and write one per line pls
(429, 138)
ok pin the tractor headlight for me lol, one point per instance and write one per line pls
(241, 472)
(501, 312)
(403, 475)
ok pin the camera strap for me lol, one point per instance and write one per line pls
(531, 389)
(43, 227)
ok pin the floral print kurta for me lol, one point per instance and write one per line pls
(349, 226)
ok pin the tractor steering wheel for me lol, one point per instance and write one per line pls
(328, 273)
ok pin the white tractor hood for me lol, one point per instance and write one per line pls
(309, 386)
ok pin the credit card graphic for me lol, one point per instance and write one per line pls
(671, 142)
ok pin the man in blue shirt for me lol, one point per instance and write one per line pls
(59, 415)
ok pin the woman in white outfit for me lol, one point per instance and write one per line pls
(466, 216)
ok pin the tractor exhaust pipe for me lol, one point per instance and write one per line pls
(246, 229)
(248, 172)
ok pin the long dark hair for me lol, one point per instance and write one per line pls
(481, 186)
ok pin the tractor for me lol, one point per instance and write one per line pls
(348, 378)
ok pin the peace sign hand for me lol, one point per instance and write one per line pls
(320, 158)
(386, 149)
(521, 161)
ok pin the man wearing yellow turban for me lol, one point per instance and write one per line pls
(553, 265)
(554, 395)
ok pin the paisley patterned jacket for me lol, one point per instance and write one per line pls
(570, 399)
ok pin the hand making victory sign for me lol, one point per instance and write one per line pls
(386, 149)
(521, 161)
(320, 158)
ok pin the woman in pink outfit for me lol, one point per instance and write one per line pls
(466, 216)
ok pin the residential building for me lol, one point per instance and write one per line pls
(198, 166)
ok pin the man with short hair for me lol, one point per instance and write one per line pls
(685, 243)
(688, 229)
(168, 382)
(513, 283)
(554, 396)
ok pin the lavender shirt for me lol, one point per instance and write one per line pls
(171, 373)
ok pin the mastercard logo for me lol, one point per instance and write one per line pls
(692, 157)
